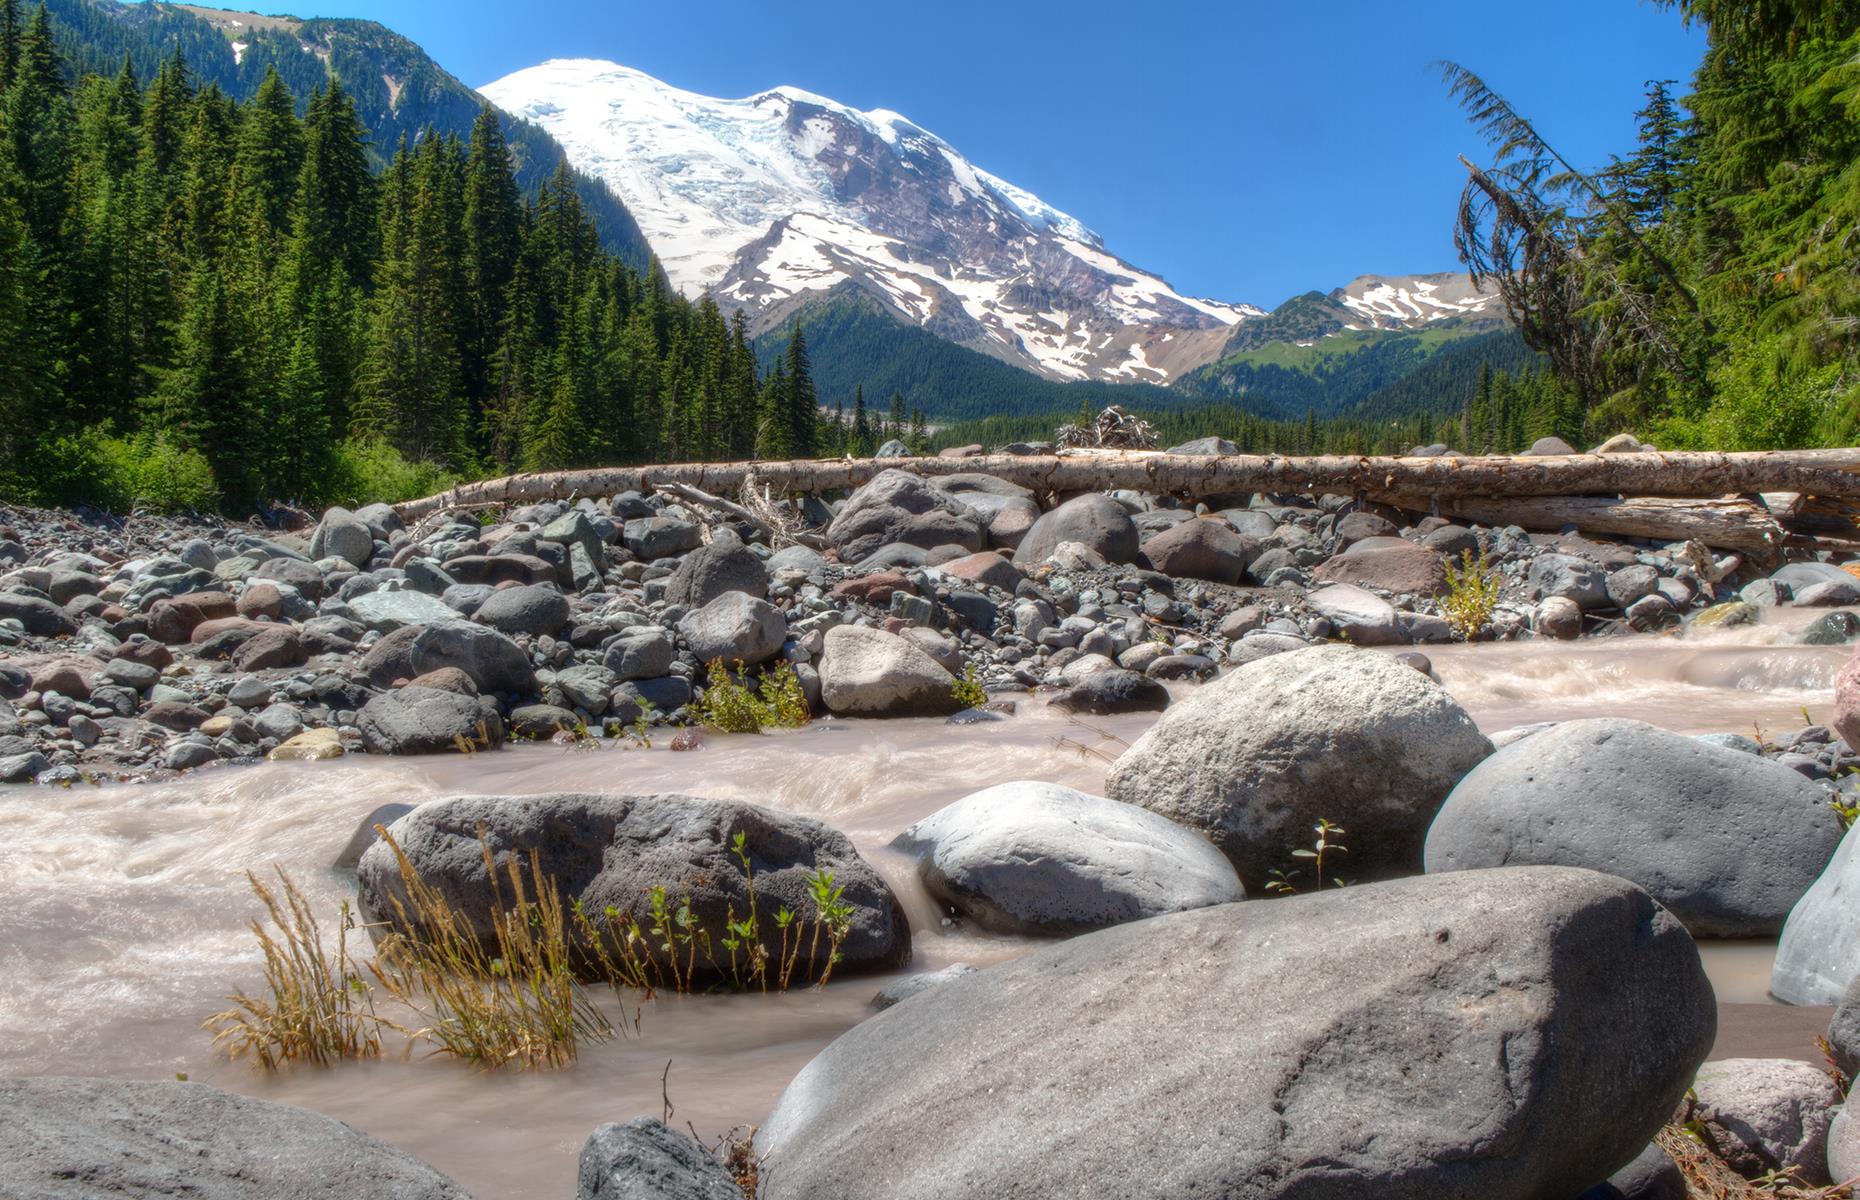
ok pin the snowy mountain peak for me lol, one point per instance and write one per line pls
(776, 199)
(1414, 301)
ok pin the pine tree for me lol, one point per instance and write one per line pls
(801, 403)
(10, 31)
(493, 240)
(895, 429)
(861, 428)
(1653, 172)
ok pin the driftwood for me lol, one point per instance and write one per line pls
(1827, 473)
(1730, 523)
(779, 533)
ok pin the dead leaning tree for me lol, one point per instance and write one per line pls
(1711, 497)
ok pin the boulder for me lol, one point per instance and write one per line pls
(40, 616)
(1769, 1114)
(75, 1139)
(1570, 577)
(651, 538)
(423, 720)
(870, 673)
(1260, 755)
(341, 534)
(735, 627)
(1044, 859)
(641, 652)
(534, 609)
(1208, 550)
(1844, 1031)
(1818, 954)
(386, 611)
(1846, 719)
(1389, 564)
(1095, 521)
(295, 572)
(1358, 615)
(1444, 1036)
(986, 568)
(645, 1159)
(613, 850)
(1118, 691)
(1727, 841)
(709, 571)
(312, 745)
(897, 507)
(1557, 617)
(494, 662)
(1652, 1176)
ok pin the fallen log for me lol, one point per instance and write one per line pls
(1729, 523)
(1815, 472)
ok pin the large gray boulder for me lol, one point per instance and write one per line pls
(1045, 859)
(641, 652)
(709, 571)
(1769, 1114)
(736, 628)
(1818, 954)
(494, 662)
(341, 534)
(1095, 521)
(870, 673)
(1518, 1033)
(77, 1139)
(1195, 549)
(645, 1159)
(1727, 841)
(385, 611)
(1844, 1031)
(533, 608)
(1565, 575)
(613, 850)
(1389, 563)
(897, 507)
(40, 616)
(1258, 757)
(423, 720)
(1357, 614)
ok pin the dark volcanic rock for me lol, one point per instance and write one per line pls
(612, 850)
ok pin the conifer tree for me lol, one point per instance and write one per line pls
(10, 34)
(801, 403)
(861, 427)
(493, 240)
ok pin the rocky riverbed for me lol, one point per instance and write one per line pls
(1178, 697)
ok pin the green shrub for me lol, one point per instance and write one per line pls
(1472, 594)
(968, 690)
(146, 472)
(372, 471)
(730, 706)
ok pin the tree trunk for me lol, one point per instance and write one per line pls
(1815, 472)
(1727, 524)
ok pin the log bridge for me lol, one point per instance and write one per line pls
(1757, 502)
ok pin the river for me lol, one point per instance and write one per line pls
(125, 906)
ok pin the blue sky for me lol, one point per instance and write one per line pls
(1244, 151)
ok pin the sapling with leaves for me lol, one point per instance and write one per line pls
(1280, 882)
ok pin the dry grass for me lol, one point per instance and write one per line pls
(319, 1009)
(521, 1003)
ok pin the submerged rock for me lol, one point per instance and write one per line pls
(613, 850)
(1463, 1035)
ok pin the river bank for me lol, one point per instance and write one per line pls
(130, 901)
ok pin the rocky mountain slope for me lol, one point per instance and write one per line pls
(772, 201)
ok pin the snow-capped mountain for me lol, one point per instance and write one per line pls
(1416, 301)
(774, 201)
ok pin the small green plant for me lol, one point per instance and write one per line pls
(1845, 807)
(968, 690)
(1472, 594)
(730, 706)
(1280, 882)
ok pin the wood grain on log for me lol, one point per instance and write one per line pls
(1815, 472)
(1723, 524)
